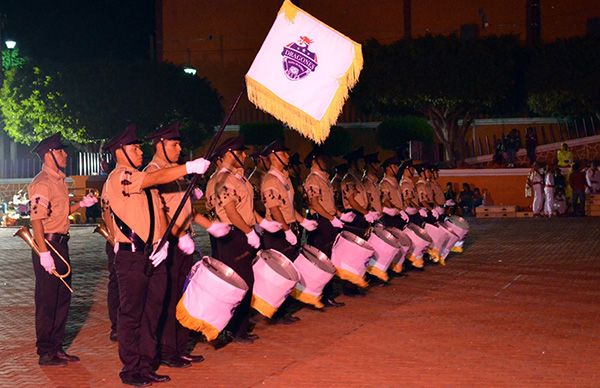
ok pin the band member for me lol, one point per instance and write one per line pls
(139, 223)
(277, 194)
(391, 198)
(354, 196)
(49, 212)
(319, 192)
(535, 180)
(210, 199)
(295, 171)
(173, 336)
(438, 192)
(409, 199)
(370, 182)
(234, 205)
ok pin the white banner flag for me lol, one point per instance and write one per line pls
(303, 72)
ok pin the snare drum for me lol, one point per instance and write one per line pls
(439, 238)
(315, 270)
(406, 246)
(274, 278)
(420, 242)
(460, 227)
(212, 292)
(350, 256)
(387, 247)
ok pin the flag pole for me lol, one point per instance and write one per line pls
(186, 195)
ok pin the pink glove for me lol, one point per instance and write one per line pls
(197, 166)
(371, 217)
(47, 262)
(88, 200)
(291, 237)
(116, 247)
(450, 203)
(309, 225)
(160, 256)
(218, 229)
(337, 223)
(391, 211)
(253, 239)
(186, 244)
(197, 194)
(404, 216)
(347, 217)
(423, 212)
(270, 226)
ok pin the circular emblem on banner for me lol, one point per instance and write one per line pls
(298, 60)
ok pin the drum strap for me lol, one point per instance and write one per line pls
(130, 234)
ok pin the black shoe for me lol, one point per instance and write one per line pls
(252, 336)
(175, 362)
(243, 339)
(192, 358)
(136, 380)
(224, 338)
(51, 360)
(333, 303)
(113, 336)
(67, 357)
(153, 377)
(288, 319)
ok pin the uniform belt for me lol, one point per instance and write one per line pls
(129, 247)
(57, 238)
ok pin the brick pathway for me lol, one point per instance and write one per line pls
(519, 307)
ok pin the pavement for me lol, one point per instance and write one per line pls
(521, 306)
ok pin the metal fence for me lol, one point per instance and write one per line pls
(83, 163)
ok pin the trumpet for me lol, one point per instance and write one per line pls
(102, 230)
(25, 234)
(94, 192)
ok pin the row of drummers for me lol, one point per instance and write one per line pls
(384, 222)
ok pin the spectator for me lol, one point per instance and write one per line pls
(486, 198)
(564, 156)
(465, 200)
(530, 144)
(513, 143)
(592, 178)
(499, 153)
(477, 197)
(577, 182)
(450, 197)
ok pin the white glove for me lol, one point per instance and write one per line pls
(160, 256)
(347, 217)
(423, 212)
(291, 237)
(253, 239)
(371, 217)
(116, 247)
(270, 226)
(391, 211)
(88, 200)
(197, 166)
(435, 213)
(450, 203)
(197, 194)
(404, 216)
(309, 225)
(47, 262)
(186, 244)
(218, 229)
(337, 223)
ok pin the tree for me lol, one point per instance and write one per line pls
(448, 80)
(339, 141)
(260, 134)
(395, 132)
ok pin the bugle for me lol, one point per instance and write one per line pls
(25, 234)
(103, 231)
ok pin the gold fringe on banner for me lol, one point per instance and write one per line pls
(307, 125)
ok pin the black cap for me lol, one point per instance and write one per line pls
(168, 132)
(405, 165)
(128, 136)
(354, 155)
(53, 142)
(295, 160)
(391, 161)
(372, 158)
(341, 169)
(315, 153)
(274, 146)
(231, 144)
(421, 167)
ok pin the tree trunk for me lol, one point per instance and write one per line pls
(449, 132)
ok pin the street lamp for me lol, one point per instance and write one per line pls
(10, 45)
(189, 70)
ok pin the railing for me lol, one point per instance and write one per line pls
(83, 163)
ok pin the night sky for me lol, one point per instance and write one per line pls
(75, 30)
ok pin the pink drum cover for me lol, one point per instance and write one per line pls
(384, 252)
(269, 285)
(349, 256)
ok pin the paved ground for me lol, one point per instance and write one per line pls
(520, 307)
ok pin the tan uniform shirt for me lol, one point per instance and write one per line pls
(352, 187)
(317, 185)
(424, 193)
(233, 187)
(407, 189)
(210, 196)
(277, 191)
(438, 193)
(390, 192)
(49, 200)
(171, 195)
(129, 202)
(373, 192)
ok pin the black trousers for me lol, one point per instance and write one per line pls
(52, 301)
(141, 302)
(393, 221)
(233, 250)
(278, 242)
(173, 336)
(358, 226)
(323, 238)
(112, 288)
